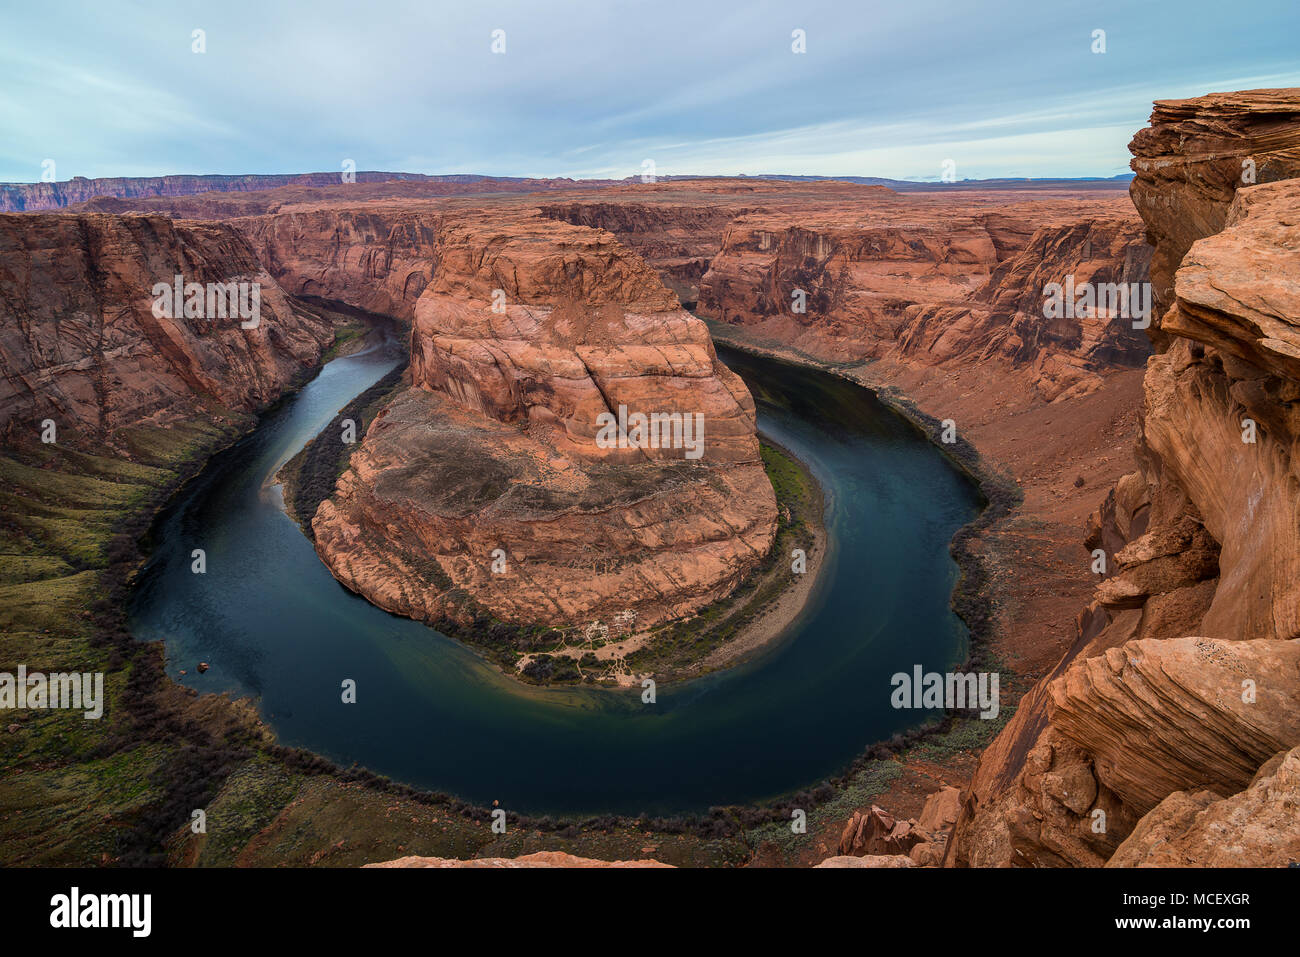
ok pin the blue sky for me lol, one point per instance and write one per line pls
(892, 89)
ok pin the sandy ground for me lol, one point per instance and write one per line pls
(774, 622)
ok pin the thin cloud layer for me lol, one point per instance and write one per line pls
(590, 88)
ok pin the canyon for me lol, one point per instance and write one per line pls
(82, 345)
(532, 307)
(1175, 705)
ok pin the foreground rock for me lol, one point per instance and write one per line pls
(1195, 155)
(1183, 679)
(484, 489)
(1256, 827)
(538, 859)
(869, 860)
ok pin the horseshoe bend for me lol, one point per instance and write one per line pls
(495, 447)
(443, 520)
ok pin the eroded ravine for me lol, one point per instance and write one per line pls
(273, 623)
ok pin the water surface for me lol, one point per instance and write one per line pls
(274, 624)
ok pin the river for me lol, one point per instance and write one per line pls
(275, 625)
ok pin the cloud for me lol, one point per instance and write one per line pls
(592, 88)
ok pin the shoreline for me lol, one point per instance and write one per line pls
(757, 635)
(1000, 493)
(765, 632)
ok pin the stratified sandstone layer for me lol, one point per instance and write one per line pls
(536, 859)
(1065, 354)
(1256, 827)
(490, 460)
(1184, 676)
(1192, 159)
(122, 193)
(79, 341)
(845, 273)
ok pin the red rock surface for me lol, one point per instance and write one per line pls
(1255, 827)
(536, 859)
(1182, 677)
(494, 446)
(79, 342)
(922, 280)
(1195, 155)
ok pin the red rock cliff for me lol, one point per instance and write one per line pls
(494, 447)
(80, 343)
(1180, 698)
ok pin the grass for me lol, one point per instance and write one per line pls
(677, 650)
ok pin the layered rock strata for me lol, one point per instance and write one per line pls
(1183, 683)
(82, 343)
(489, 485)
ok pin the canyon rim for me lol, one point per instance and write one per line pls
(643, 444)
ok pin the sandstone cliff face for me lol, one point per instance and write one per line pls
(375, 257)
(930, 283)
(1195, 155)
(494, 446)
(857, 279)
(1067, 354)
(1184, 677)
(79, 341)
(679, 239)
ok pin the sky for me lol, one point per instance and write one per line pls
(595, 88)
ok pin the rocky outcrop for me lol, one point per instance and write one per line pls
(484, 486)
(1184, 677)
(1256, 827)
(536, 859)
(877, 834)
(1192, 159)
(80, 342)
(868, 860)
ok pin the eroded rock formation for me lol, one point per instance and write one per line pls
(1256, 827)
(491, 460)
(80, 342)
(1183, 682)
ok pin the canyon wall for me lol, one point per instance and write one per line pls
(1171, 715)
(934, 286)
(1066, 354)
(482, 488)
(378, 257)
(80, 343)
(679, 239)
